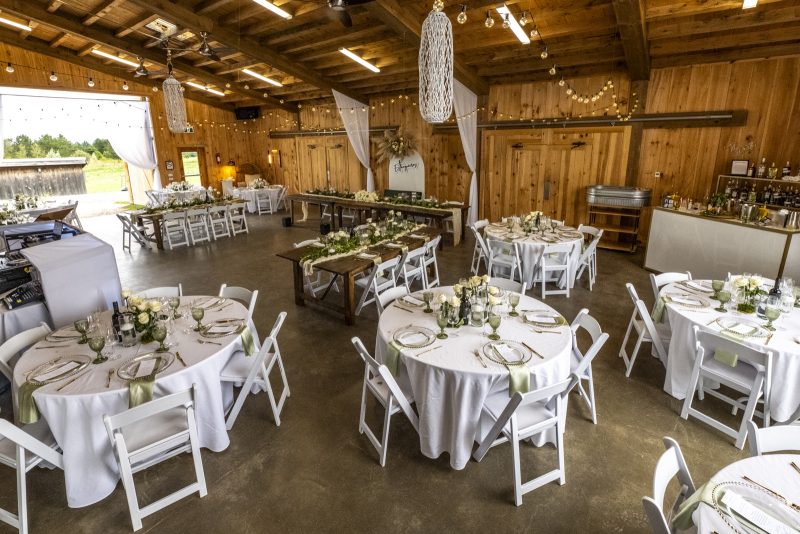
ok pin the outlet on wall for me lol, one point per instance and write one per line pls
(658, 174)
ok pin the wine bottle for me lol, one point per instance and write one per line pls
(762, 168)
(776, 289)
(116, 321)
(465, 307)
(787, 169)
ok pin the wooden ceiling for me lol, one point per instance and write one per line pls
(581, 36)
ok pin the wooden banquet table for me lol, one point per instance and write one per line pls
(337, 205)
(347, 268)
(74, 411)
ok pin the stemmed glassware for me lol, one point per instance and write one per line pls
(723, 297)
(441, 321)
(97, 341)
(494, 322)
(772, 310)
(174, 303)
(82, 326)
(513, 300)
(197, 314)
(160, 334)
(717, 286)
(427, 297)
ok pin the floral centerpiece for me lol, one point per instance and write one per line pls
(9, 215)
(179, 186)
(145, 313)
(449, 308)
(749, 289)
(366, 196)
(259, 183)
(531, 221)
(25, 201)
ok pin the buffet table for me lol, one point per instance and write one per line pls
(450, 385)
(707, 246)
(74, 411)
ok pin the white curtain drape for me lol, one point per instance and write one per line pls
(355, 116)
(466, 103)
(132, 139)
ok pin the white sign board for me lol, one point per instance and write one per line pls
(407, 174)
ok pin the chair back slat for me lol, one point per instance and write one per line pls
(670, 465)
(17, 343)
(161, 292)
(780, 438)
(149, 409)
(644, 315)
(389, 296)
(657, 281)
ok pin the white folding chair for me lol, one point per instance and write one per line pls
(581, 363)
(431, 264)
(478, 254)
(657, 281)
(389, 296)
(154, 197)
(238, 219)
(555, 259)
(772, 439)
(264, 202)
(14, 346)
(161, 292)
(505, 256)
(524, 416)
(197, 222)
(218, 218)
(131, 232)
(22, 450)
(510, 285)
(646, 330)
(254, 371)
(750, 375)
(382, 277)
(670, 465)
(588, 260)
(282, 198)
(241, 294)
(382, 385)
(72, 217)
(320, 280)
(149, 434)
(414, 268)
(176, 232)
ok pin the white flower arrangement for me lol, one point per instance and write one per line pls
(366, 196)
(179, 186)
(259, 183)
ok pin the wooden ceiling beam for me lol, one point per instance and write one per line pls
(248, 46)
(98, 36)
(396, 18)
(101, 11)
(58, 41)
(209, 5)
(734, 20)
(53, 6)
(718, 41)
(135, 25)
(732, 55)
(24, 34)
(630, 21)
(86, 50)
(678, 8)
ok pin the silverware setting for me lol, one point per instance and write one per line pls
(108, 378)
(52, 346)
(533, 350)
(180, 359)
(790, 503)
(480, 359)
(546, 331)
(72, 380)
(204, 342)
(429, 350)
(402, 308)
(796, 467)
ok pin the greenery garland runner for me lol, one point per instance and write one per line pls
(361, 196)
(173, 204)
(341, 244)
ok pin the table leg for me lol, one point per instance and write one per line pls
(349, 299)
(291, 210)
(157, 232)
(299, 295)
(339, 215)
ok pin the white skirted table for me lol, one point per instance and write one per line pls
(249, 195)
(785, 344)
(532, 247)
(449, 384)
(75, 414)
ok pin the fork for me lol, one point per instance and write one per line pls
(203, 342)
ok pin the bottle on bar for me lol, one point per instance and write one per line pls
(751, 170)
(787, 169)
(772, 173)
(762, 168)
(751, 196)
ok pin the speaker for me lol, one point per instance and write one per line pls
(248, 113)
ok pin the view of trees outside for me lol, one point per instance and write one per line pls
(104, 171)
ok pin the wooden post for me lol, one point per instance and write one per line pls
(639, 88)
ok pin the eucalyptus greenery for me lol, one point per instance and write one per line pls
(394, 201)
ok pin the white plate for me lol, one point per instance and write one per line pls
(743, 328)
(766, 502)
(520, 354)
(414, 337)
(51, 366)
(222, 328)
(127, 371)
(544, 319)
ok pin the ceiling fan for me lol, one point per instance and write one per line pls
(205, 49)
(337, 10)
(141, 70)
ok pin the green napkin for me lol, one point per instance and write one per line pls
(140, 389)
(519, 379)
(248, 343)
(683, 519)
(392, 359)
(727, 357)
(28, 412)
(658, 311)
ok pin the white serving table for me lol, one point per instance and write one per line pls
(682, 241)
(450, 386)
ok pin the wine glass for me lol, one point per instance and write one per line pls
(717, 286)
(427, 297)
(82, 326)
(197, 314)
(772, 311)
(494, 322)
(174, 303)
(159, 332)
(723, 297)
(513, 299)
(97, 340)
(441, 321)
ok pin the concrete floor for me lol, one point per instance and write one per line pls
(317, 473)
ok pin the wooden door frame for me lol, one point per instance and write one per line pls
(201, 161)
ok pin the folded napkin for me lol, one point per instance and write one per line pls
(727, 357)
(741, 329)
(248, 343)
(414, 301)
(376, 258)
(534, 318)
(140, 388)
(392, 360)
(698, 286)
(685, 301)
(519, 377)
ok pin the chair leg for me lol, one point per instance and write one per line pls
(591, 397)
(22, 491)
(690, 391)
(635, 353)
(196, 458)
(516, 461)
(752, 401)
(130, 493)
(362, 414)
(387, 419)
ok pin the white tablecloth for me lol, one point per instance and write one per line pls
(772, 470)
(75, 415)
(450, 386)
(785, 395)
(12, 322)
(250, 196)
(531, 250)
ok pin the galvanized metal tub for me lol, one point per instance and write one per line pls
(619, 196)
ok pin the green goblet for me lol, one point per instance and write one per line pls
(175, 303)
(494, 322)
(441, 320)
(427, 297)
(723, 297)
(82, 326)
(197, 314)
(96, 343)
(159, 332)
(717, 286)
(513, 299)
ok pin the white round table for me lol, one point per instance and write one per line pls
(532, 247)
(249, 195)
(771, 470)
(450, 386)
(75, 414)
(784, 396)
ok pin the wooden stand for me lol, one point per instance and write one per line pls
(620, 226)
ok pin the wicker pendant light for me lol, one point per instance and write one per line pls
(436, 67)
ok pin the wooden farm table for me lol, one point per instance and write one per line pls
(338, 205)
(347, 268)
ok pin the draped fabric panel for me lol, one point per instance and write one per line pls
(355, 116)
(132, 140)
(466, 104)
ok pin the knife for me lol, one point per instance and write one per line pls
(178, 355)
(532, 350)
(480, 359)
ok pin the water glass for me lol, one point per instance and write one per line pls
(175, 303)
(441, 321)
(494, 322)
(427, 297)
(772, 310)
(477, 315)
(97, 340)
(82, 326)
(159, 332)
(513, 299)
(723, 297)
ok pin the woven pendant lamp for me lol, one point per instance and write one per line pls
(436, 67)
(174, 105)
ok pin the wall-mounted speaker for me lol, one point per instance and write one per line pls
(248, 113)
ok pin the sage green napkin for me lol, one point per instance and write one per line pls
(392, 359)
(727, 357)
(140, 389)
(658, 311)
(248, 344)
(28, 412)
(683, 519)
(519, 379)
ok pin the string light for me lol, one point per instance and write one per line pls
(489, 22)
(90, 83)
(125, 86)
(506, 24)
(552, 70)
(534, 32)
(523, 20)
(544, 53)
(53, 77)
(462, 16)
(10, 68)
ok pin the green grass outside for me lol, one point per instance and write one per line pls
(104, 175)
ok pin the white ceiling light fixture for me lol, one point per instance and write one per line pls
(205, 88)
(261, 77)
(749, 4)
(272, 7)
(112, 57)
(503, 11)
(15, 24)
(363, 62)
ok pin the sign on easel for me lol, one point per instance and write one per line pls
(407, 174)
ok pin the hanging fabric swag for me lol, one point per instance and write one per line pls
(355, 116)
(132, 140)
(466, 102)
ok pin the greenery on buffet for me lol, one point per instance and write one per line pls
(366, 196)
(173, 204)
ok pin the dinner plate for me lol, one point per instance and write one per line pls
(407, 302)
(211, 303)
(741, 328)
(127, 371)
(518, 354)
(65, 334)
(544, 319)
(688, 301)
(775, 506)
(58, 369)
(696, 286)
(414, 337)
(573, 235)
(222, 328)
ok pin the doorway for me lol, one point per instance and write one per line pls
(193, 165)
